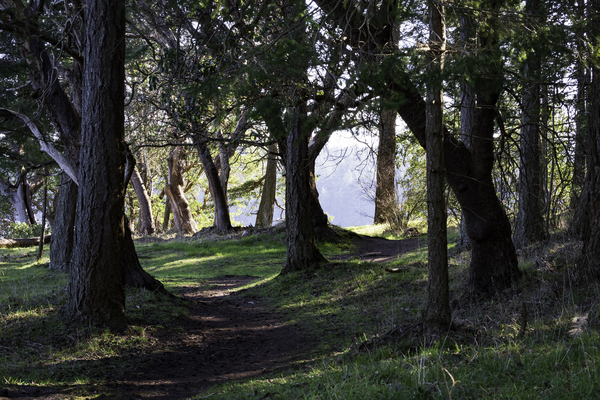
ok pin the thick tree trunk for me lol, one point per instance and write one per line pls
(146, 217)
(302, 252)
(530, 226)
(437, 313)
(65, 207)
(182, 215)
(95, 292)
(264, 216)
(222, 221)
(590, 258)
(494, 261)
(386, 205)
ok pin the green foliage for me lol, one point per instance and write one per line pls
(23, 230)
(412, 184)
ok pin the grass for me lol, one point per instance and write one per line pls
(358, 315)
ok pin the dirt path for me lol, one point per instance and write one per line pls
(376, 249)
(226, 337)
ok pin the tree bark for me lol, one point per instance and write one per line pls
(167, 215)
(467, 110)
(95, 291)
(494, 262)
(302, 252)
(182, 215)
(386, 205)
(264, 216)
(590, 257)
(43, 227)
(530, 226)
(65, 206)
(437, 313)
(222, 221)
(580, 119)
(146, 217)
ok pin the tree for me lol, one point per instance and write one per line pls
(386, 205)
(146, 217)
(437, 313)
(530, 221)
(95, 292)
(469, 172)
(264, 216)
(174, 185)
(302, 252)
(590, 258)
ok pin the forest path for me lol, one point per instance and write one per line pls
(226, 336)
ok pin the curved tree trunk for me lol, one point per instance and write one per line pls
(264, 216)
(184, 221)
(222, 221)
(494, 260)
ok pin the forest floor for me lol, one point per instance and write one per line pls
(225, 336)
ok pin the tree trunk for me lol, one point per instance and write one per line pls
(467, 110)
(26, 195)
(437, 313)
(182, 215)
(65, 206)
(167, 215)
(323, 230)
(146, 217)
(95, 291)
(222, 221)
(43, 227)
(302, 252)
(530, 220)
(15, 197)
(494, 261)
(580, 119)
(133, 273)
(590, 257)
(264, 216)
(386, 205)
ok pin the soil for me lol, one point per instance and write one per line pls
(227, 336)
